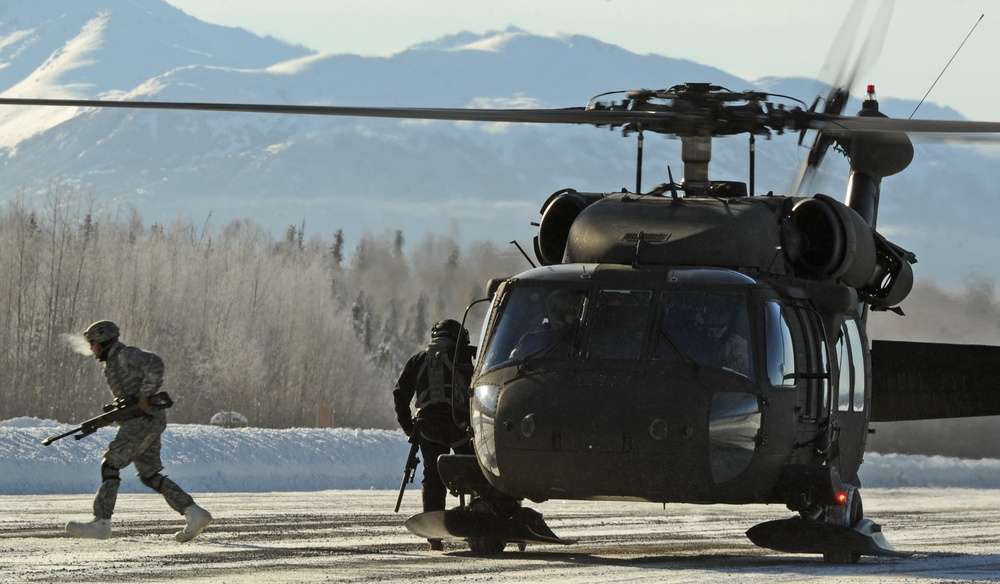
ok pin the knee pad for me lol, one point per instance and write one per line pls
(108, 471)
(154, 482)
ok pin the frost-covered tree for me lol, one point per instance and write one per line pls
(245, 323)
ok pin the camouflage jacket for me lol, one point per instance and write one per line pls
(132, 372)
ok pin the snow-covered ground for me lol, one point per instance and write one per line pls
(228, 460)
(353, 536)
(315, 505)
(206, 459)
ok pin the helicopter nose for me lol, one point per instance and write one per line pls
(647, 442)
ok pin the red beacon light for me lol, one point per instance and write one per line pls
(842, 496)
(871, 91)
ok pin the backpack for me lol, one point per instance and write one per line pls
(439, 384)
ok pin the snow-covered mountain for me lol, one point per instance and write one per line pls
(479, 181)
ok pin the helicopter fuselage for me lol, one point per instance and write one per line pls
(646, 396)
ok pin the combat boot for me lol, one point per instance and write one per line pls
(96, 529)
(197, 520)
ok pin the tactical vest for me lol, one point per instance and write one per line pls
(438, 389)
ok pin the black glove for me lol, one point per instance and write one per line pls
(407, 427)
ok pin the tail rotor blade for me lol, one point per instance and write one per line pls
(844, 74)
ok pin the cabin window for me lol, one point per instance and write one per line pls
(710, 329)
(858, 366)
(618, 324)
(852, 389)
(780, 351)
(844, 369)
(814, 367)
(536, 321)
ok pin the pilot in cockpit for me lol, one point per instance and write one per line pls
(556, 335)
(718, 344)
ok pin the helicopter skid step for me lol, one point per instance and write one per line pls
(804, 536)
(524, 527)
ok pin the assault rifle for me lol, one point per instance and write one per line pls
(116, 411)
(411, 463)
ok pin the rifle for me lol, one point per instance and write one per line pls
(411, 463)
(116, 411)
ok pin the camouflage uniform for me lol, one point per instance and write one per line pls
(132, 373)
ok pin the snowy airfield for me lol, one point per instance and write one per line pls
(315, 505)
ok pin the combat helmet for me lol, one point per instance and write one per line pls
(101, 331)
(717, 313)
(105, 334)
(450, 329)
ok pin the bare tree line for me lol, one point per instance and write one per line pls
(271, 328)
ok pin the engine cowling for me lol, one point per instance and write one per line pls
(821, 238)
(559, 212)
(831, 241)
(893, 277)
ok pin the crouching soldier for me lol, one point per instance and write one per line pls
(134, 374)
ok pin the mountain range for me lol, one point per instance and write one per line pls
(473, 181)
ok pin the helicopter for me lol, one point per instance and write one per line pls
(698, 342)
(704, 345)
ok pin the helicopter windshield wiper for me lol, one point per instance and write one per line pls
(546, 349)
(663, 333)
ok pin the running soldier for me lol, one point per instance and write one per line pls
(134, 374)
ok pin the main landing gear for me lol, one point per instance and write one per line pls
(487, 526)
(839, 532)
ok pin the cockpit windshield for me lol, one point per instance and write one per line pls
(707, 328)
(537, 322)
(547, 321)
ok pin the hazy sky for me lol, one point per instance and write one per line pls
(744, 37)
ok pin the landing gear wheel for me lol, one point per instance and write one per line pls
(487, 545)
(854, 516)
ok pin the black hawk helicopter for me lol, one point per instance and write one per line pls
(700, 342)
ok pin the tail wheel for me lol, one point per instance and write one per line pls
(854, 516)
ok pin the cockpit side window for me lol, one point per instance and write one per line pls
(780, 351)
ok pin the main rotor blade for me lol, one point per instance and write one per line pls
(847, 125)
(528, 116)
(695, 122)
(662, 119)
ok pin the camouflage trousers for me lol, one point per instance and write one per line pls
(137, 442)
